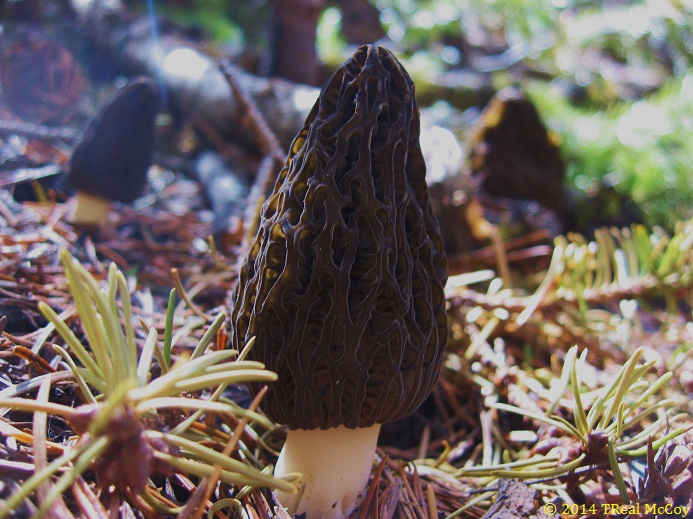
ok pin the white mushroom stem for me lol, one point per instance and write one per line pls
(335, 464)
(90, 210)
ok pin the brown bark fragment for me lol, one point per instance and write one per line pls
(294, 56)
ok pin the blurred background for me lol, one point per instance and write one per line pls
(604, 89)
(611, 79)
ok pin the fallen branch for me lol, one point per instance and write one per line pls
(193, 82)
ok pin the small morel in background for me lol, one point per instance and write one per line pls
(515, 155)
(111, 161)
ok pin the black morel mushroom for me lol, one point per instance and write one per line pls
(343, 284)
(111, 161)
(514, 153)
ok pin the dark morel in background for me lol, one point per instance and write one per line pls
(514, 154)
(112, 159)
(343, 285)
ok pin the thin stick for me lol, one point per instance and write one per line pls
(87, 501)
(431, 499)
(58, 509)
(192, 510)
(501, 257)
(180, 290)
(269, 146)
(254, 120)
(372, 489)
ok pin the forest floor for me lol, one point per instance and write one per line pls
(565, 391)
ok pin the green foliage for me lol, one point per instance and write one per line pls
(611, 423)
(642, 148)
(643, 34)
(128, 410)
(425, 23)
(619, 264)
(578, 417)
(227, 22)
(330, 43)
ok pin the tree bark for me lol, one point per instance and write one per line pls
(294, 56)
(360, 22)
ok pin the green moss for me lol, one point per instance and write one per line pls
(227, 22)
(642, 148)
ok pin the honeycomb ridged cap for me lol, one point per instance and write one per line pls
(343, 284)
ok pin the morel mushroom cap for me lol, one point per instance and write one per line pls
(112, 159)
(343, 284)
(515, 154)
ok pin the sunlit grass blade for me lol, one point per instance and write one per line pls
(146, 357)
(79, 375)
(212, 457)
(192, 368)
(618, 476)
(205, 470)
(130, 351)
(82, 463)
(208, 336)
(579, 412)
(114, 340)
(622, 382)
(226, 377)
(519, 464)
(168, 329)
(537, 469)
(637, 418)
(28, 487)
(537, 416)
(153, 404)
(655, 444)
(71, 339)
(86, 308)
(562, 384)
